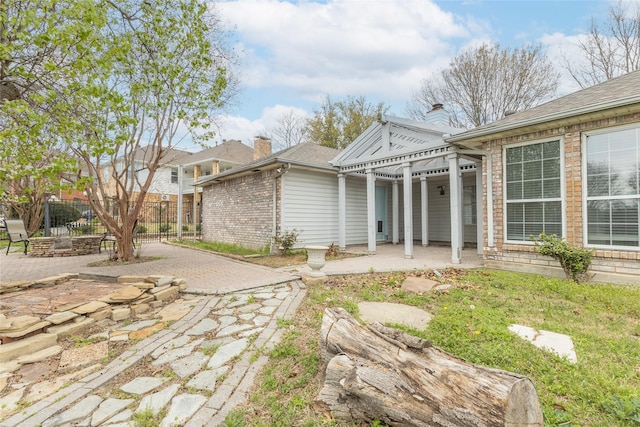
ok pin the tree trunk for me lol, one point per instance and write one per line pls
(379, 373)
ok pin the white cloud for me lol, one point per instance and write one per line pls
(379, 48)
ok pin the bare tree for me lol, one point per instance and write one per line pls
(482, 84)
(290, 130)
(610, 49)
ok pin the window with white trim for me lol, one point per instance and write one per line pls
(469, 201)
(613, 188)
(533, 190)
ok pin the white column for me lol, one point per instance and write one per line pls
(456, 212)
(342, 211)
(424, 204)
(371, 211)
(479, 207)
(408, 211)
(395, 210)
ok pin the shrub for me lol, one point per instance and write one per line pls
(332, 252)
(574, 260)
(142, 229)
(62, 213)
(164, 228)
(286, 240)
(87, 229)
(185, 227)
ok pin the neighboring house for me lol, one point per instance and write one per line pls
(173, 180)
(363, 195)
(295, 188)
(569, 167)
(211, 161)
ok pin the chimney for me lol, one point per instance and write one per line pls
(261, 147)
(438, 115)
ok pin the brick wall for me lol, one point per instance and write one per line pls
(240, 210)
(607, 264)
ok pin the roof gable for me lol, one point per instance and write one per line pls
(393, 137)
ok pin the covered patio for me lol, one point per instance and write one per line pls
(400, 153)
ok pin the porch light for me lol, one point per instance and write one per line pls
(441, 188)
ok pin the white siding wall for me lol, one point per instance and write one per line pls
(439, 206)
(356, 211)
(310, 205)
(161, 183)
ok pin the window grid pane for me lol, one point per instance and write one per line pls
(613, 188)
(533, 173)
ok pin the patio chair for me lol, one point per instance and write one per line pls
(109, 239)
(16, 232)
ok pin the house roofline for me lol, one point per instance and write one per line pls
(258, 167)
(475, 135)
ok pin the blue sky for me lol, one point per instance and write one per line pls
(294, 53)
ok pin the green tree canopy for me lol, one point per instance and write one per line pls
(118, 84)
(336, 124)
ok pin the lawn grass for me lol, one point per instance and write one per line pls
(470, 321)
(223, 248)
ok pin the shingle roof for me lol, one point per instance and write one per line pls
(231, 151)
(306, 154)
(172, 156)
(620, 91)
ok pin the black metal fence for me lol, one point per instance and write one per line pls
(157, 220)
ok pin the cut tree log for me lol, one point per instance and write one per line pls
(379, 373)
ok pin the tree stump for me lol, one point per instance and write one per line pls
(379, 373)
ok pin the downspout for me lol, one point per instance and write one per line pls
(488, 155)
(285, 169)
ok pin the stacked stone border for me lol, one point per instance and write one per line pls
(25, 338)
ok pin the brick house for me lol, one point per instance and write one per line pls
(291, 189)
(570, 167)
(362, 195)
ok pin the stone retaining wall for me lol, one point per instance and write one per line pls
(64, 246)
(23, 336)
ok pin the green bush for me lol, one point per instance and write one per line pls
(62, 213)
(286, 240)
(574, 260)
(164, 228)
(142, 229)
(185, 227)
(87, 229)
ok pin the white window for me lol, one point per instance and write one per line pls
(174, 176)
(533, 190)
(613, 188)
(469, 196)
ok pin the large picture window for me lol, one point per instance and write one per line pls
(613, 188)
(533, 190)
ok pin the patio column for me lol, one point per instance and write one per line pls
(424, 204)
(479, 208)
(408, 211)
(371, 211)
(342, 211)
(196, 196)
(395, 211)
(456, 212)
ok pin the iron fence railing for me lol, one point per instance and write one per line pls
(157, 221)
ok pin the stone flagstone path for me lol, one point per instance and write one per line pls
(205, 364)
